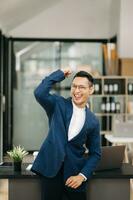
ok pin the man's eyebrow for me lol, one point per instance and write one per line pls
(78, 85)
(81, 84)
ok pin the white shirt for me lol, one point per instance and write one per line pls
(77, 121)
(76, 124)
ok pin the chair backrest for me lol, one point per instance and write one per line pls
(123, 129)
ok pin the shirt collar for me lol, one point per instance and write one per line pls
(76, 107)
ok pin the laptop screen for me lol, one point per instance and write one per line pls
(112, 157)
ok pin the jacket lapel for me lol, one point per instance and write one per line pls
(84, 126)
(69, 111)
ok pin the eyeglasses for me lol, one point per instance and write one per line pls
(80, 87)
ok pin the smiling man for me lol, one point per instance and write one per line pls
(81, 88)
(72, 126)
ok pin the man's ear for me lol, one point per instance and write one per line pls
(91, 90)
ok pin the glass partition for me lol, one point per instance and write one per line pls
(34, 61)
(1, 113)
(1, 130)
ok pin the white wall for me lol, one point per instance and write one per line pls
(82, 19)
(69, 19)
(126, 29)
(114, 17)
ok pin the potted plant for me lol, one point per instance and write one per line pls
(17, 154)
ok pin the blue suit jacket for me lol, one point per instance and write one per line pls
(56, 149)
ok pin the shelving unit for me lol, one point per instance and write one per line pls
(114, 89)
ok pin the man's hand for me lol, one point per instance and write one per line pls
(74, 181)
(67, 72)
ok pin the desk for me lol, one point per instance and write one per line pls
(105, 185)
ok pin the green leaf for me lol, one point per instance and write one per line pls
(17, 153)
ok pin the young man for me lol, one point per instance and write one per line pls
(61, 161)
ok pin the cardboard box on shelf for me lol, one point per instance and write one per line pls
(110, 59)
(130, 107)
(126, 66)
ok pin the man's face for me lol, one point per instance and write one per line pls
(81, 89)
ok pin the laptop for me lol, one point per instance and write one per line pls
(123, 129)
(112, 158)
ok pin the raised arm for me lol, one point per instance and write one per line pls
(42, 92)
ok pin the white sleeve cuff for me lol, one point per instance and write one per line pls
(83, 176)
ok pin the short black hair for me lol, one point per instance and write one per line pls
(85, 75)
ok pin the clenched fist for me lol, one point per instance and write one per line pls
(67, 72)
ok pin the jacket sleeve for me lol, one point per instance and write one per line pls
(94, 146)
(42, 92)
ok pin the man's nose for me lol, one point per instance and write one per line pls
(77, 89)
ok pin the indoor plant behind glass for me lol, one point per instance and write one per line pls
(17, 154)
